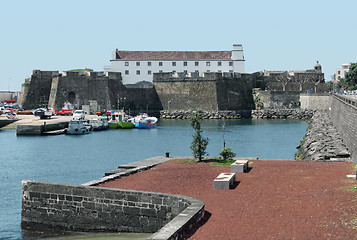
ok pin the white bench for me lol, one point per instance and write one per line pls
(224, 180)
(240, 166)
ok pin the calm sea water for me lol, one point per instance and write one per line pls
(79, 159)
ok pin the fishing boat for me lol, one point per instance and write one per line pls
(120, 120)
(98, 124)
(144, 121)
(77, 127)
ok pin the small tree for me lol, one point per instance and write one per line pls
(199, 143)
(227, 154)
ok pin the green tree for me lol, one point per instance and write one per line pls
(351, 77)
(227, 154)
(199, 143)
(350, 80)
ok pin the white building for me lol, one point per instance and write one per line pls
(137, 66)
(341, 72)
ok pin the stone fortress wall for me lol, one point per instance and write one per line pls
(343, 113)
(52, 89)
(212, 91)
(181, 91)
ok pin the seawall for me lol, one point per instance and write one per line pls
(40, 128)
(88, 208)
(238, 114)
(343, 113)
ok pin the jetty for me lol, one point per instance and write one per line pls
(4, 122)
(32, 125)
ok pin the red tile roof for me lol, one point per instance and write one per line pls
(177, 55)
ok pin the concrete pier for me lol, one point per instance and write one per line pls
(4, 122)
(40, 128)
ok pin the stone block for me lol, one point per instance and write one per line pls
(224, 180)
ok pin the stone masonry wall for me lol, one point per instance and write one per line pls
(84, 208)
(278, 99)
(211, 92)
(36, 91)
(314, 101)
(343, 113)
(187, 94)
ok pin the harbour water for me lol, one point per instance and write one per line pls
(79, 159)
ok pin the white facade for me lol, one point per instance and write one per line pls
(136, 66)
(341, 72)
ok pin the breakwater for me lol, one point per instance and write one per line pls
(241, 114)
(322, 142)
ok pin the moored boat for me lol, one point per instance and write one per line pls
(77, 127)
(98, 124)
(120, 120)
(144, 121)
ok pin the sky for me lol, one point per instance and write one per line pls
(275, 34)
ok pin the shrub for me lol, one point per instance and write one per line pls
(227, 154)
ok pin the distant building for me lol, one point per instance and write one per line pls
(9, 95)
(341, 72)
(138, 66)
(311, 80)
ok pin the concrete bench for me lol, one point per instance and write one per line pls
(240, 166)
(224, 180)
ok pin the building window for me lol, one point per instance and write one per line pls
(196, 64)
(160, 71)
(339, 72)
(219, 71)
(137, 63)
(126, 64)
(173, 64)
(219, 63)
(230, 71)
(149, 64)
(185, 71)
(230, 63)
(208, 63)
(137, 72)
(160, 63)
(149, 72)
(196, 71)
(173, 71)
(208, 71)
(185, 64)
(126, 72)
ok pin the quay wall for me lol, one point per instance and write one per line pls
(343, 113)
(39, 129)
(86, 208)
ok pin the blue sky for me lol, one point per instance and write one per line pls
(276, 35)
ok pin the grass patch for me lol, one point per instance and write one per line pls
(216, 161)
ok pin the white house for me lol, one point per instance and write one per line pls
(137, 66)
(341, 72)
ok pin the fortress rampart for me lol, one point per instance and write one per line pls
(180, 91)
(343, 113)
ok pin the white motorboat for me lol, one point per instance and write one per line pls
(77, 127)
